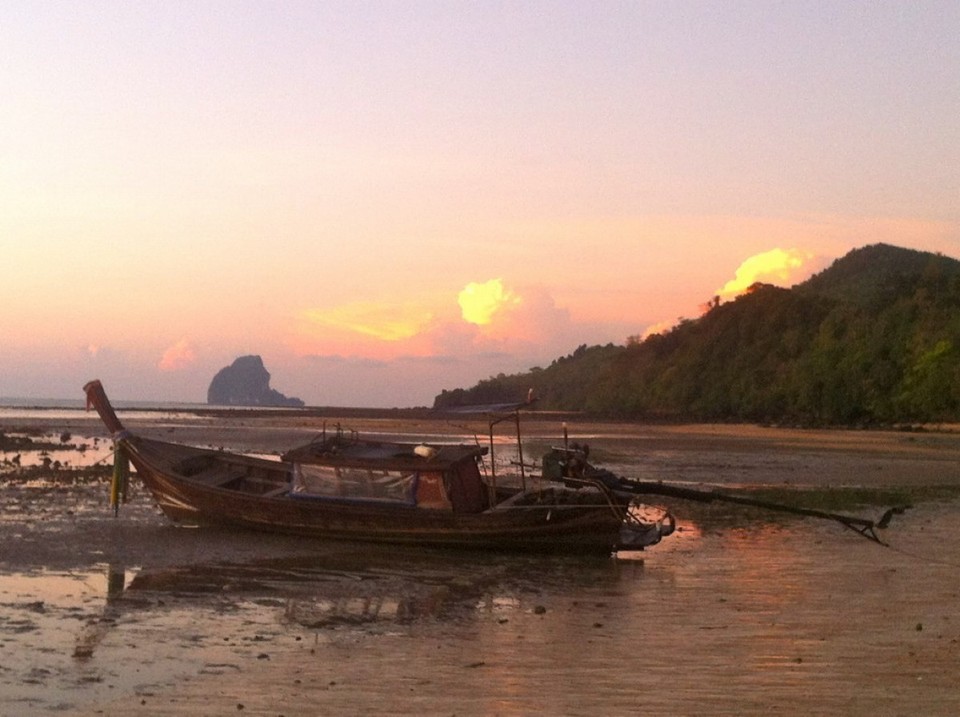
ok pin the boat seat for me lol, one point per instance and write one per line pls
(511, 501)
(216, 479)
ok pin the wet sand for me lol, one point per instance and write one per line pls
(740, 612)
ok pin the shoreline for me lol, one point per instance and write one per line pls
(751, 453)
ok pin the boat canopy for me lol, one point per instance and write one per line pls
(378, 455)
(438, 476)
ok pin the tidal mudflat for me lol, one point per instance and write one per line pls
(739, 612)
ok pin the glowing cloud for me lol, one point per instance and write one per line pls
(488, 318)
(375, 330)
(781, 267)
(661, 327)
(479, 303)
(177, 357)
(386, 322)
(777, 266)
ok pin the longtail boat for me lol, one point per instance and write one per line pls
(341, 487)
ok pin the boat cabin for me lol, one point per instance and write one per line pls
(439, 477)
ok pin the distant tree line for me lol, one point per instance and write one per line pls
(874, 339)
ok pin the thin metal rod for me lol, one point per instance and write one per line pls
(523, 475)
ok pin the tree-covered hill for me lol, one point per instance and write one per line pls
(875, 338)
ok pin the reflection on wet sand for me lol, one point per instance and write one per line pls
(325, 594)
(350, 588)
(93, 632)
(361, 584)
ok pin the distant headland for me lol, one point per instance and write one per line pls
(246, 382)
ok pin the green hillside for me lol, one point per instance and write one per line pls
(875, 338)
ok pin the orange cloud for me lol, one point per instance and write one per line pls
(492, 318)
(373, 330)
(177, 357)
(386, 322)
(783, 267)
(518, 321)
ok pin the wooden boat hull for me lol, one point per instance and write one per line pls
(265, 505)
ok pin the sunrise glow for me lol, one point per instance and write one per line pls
(387, 200)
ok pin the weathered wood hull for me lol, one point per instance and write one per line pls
(251, 493)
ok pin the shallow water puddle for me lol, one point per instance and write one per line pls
(70, 639)
(41, 617)
(20, 450)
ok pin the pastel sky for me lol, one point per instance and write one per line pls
(387, 199)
